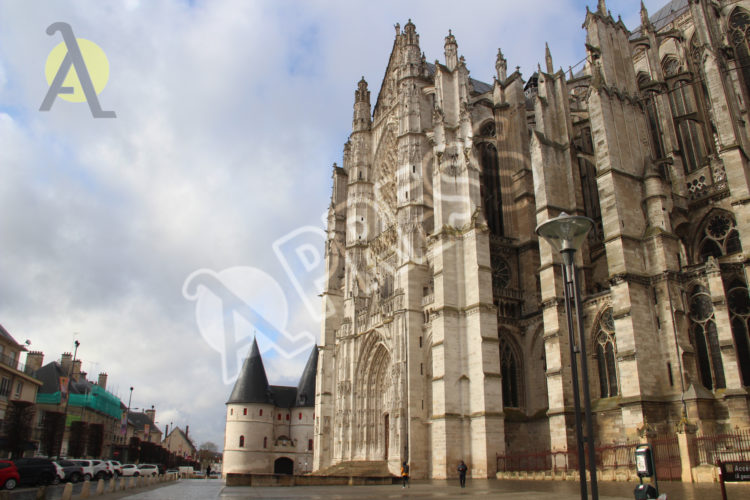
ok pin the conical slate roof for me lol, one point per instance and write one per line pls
(306, 386)
(252, 384)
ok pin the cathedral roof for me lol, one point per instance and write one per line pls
(671, 11)
(306, 386)
(479, 87)
(252, 384)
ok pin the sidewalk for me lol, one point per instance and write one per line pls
(500, 489)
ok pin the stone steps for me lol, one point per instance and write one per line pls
(359, 468)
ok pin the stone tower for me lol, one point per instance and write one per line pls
(269, 428)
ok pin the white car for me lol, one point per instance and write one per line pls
(101, 469)
(88, 469)
(148, 470)
(114, 467)
(129, 470)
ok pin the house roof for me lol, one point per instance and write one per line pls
(306, 387)
(252, 384)
(7, 336)
(140, 420)
(184, 436)
(50, 375)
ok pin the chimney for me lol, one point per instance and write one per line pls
(151, 414)
(34, 361)
(103, 380)
(65, 363)
(187, 429)
(76, 369)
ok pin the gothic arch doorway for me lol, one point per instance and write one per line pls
(283, 465)
(376, 387)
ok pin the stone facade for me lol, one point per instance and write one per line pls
(445, 334)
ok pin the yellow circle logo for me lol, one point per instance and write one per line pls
(96, 64)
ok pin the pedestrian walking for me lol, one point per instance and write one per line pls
(462, 474)
(208, 471)
(405, 475)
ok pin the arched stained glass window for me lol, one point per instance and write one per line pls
(719, 237)
(738, 30)
(510, 369)
(705, 339)
(491, 190)
(687, 112)
(738, 300)
(605, 354)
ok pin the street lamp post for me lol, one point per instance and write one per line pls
(67, 399)
(566, 234)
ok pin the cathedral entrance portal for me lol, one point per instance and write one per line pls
(386, 425)
(375, 403)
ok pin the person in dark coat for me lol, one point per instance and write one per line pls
(405, 474)
(462, 473)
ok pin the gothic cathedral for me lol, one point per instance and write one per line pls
(445, 334)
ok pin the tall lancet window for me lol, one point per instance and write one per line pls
(739, 29)
(739, 314)
(605, 354)
(491, 192)
(705, 339)
(687, 114)
(510, 369)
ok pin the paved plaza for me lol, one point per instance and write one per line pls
(521, 490)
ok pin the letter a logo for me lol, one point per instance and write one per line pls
(78, 85)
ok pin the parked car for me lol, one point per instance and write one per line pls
(129, 470)
(9, 477)
(87, 467)
(115, 467)
(34, 471)
(59, 473)
(101, 469)
(148, 470)
(72, 471)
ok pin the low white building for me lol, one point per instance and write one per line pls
(270, 428)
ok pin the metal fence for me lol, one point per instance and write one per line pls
(608, 457)
(727, 447)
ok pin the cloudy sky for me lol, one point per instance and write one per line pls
(229, 116)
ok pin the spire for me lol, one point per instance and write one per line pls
(548, 59)
(645, 21)
(451, 51)
(252, 384)
(306, 386)
(361, 120)
(602, 8)
(410, 32)
(501, 65)
(362, 94)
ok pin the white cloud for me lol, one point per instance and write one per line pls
(229, 115)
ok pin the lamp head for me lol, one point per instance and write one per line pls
(565, 232)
